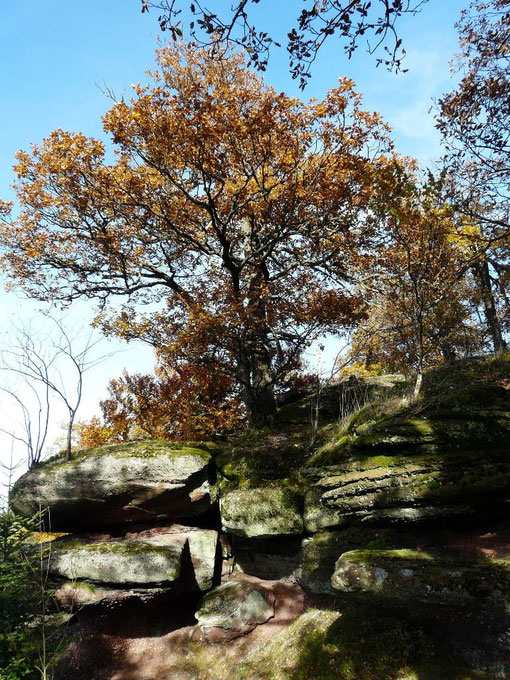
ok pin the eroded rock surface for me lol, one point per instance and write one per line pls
(136, 565)
(414, 576)
(262, 512)
(400, 489)
(111, 485)
(118, 562)
(233, 609)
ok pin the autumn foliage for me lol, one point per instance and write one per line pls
(418, 299)
(179, 403)
(231, 218)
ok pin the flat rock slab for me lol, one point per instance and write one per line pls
(262, 512)
(114, 485)
(117, 562)
(136, 565)
(233, 609)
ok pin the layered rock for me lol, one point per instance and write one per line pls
(403, 489)
(466, 599)
(89, 570)
(111, 485)
(122, 563)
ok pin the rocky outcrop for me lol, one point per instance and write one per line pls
(403, 489)
(233, 609)
(112, 485)
(402, 508)
(97, 569)
(262, 512)
(416, 576)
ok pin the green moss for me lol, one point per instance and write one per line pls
(354, 645)
(121, 548)
(379, 556)
(264, 458)
(462, 403)
(84, 584)
(142, 449)
(263, 511)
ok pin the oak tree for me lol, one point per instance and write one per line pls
(228, 218)
(177, 402)
(352, 21)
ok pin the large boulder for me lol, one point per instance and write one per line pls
(321, 551)
(113, 485)
(262, 512)
(233, 609)
(92, 569)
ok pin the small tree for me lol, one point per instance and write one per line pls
(418, 307)
(183, 402)
(51, 365)
(19, 599)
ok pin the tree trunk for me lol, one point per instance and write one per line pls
(69, 437)
(418, 383)
(482, 275)
(254, 374)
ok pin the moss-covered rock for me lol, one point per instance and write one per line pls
(410, 575)
(72, 596)
(233, 609)
(137, 564)
(407, 488)
(117, 562)
(321, 552)
(135, 482)
(463, 405)
(262, 512)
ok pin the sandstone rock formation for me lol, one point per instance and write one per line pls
(135, 482)
(233, 609)
(402, 507)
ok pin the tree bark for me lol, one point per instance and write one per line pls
(482, 276)
(254, 374)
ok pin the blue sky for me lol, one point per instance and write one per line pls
(56, 55)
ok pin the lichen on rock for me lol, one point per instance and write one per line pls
(233, 609)
(262, 512)
(135, 482)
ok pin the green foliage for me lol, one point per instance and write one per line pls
(19, 599)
